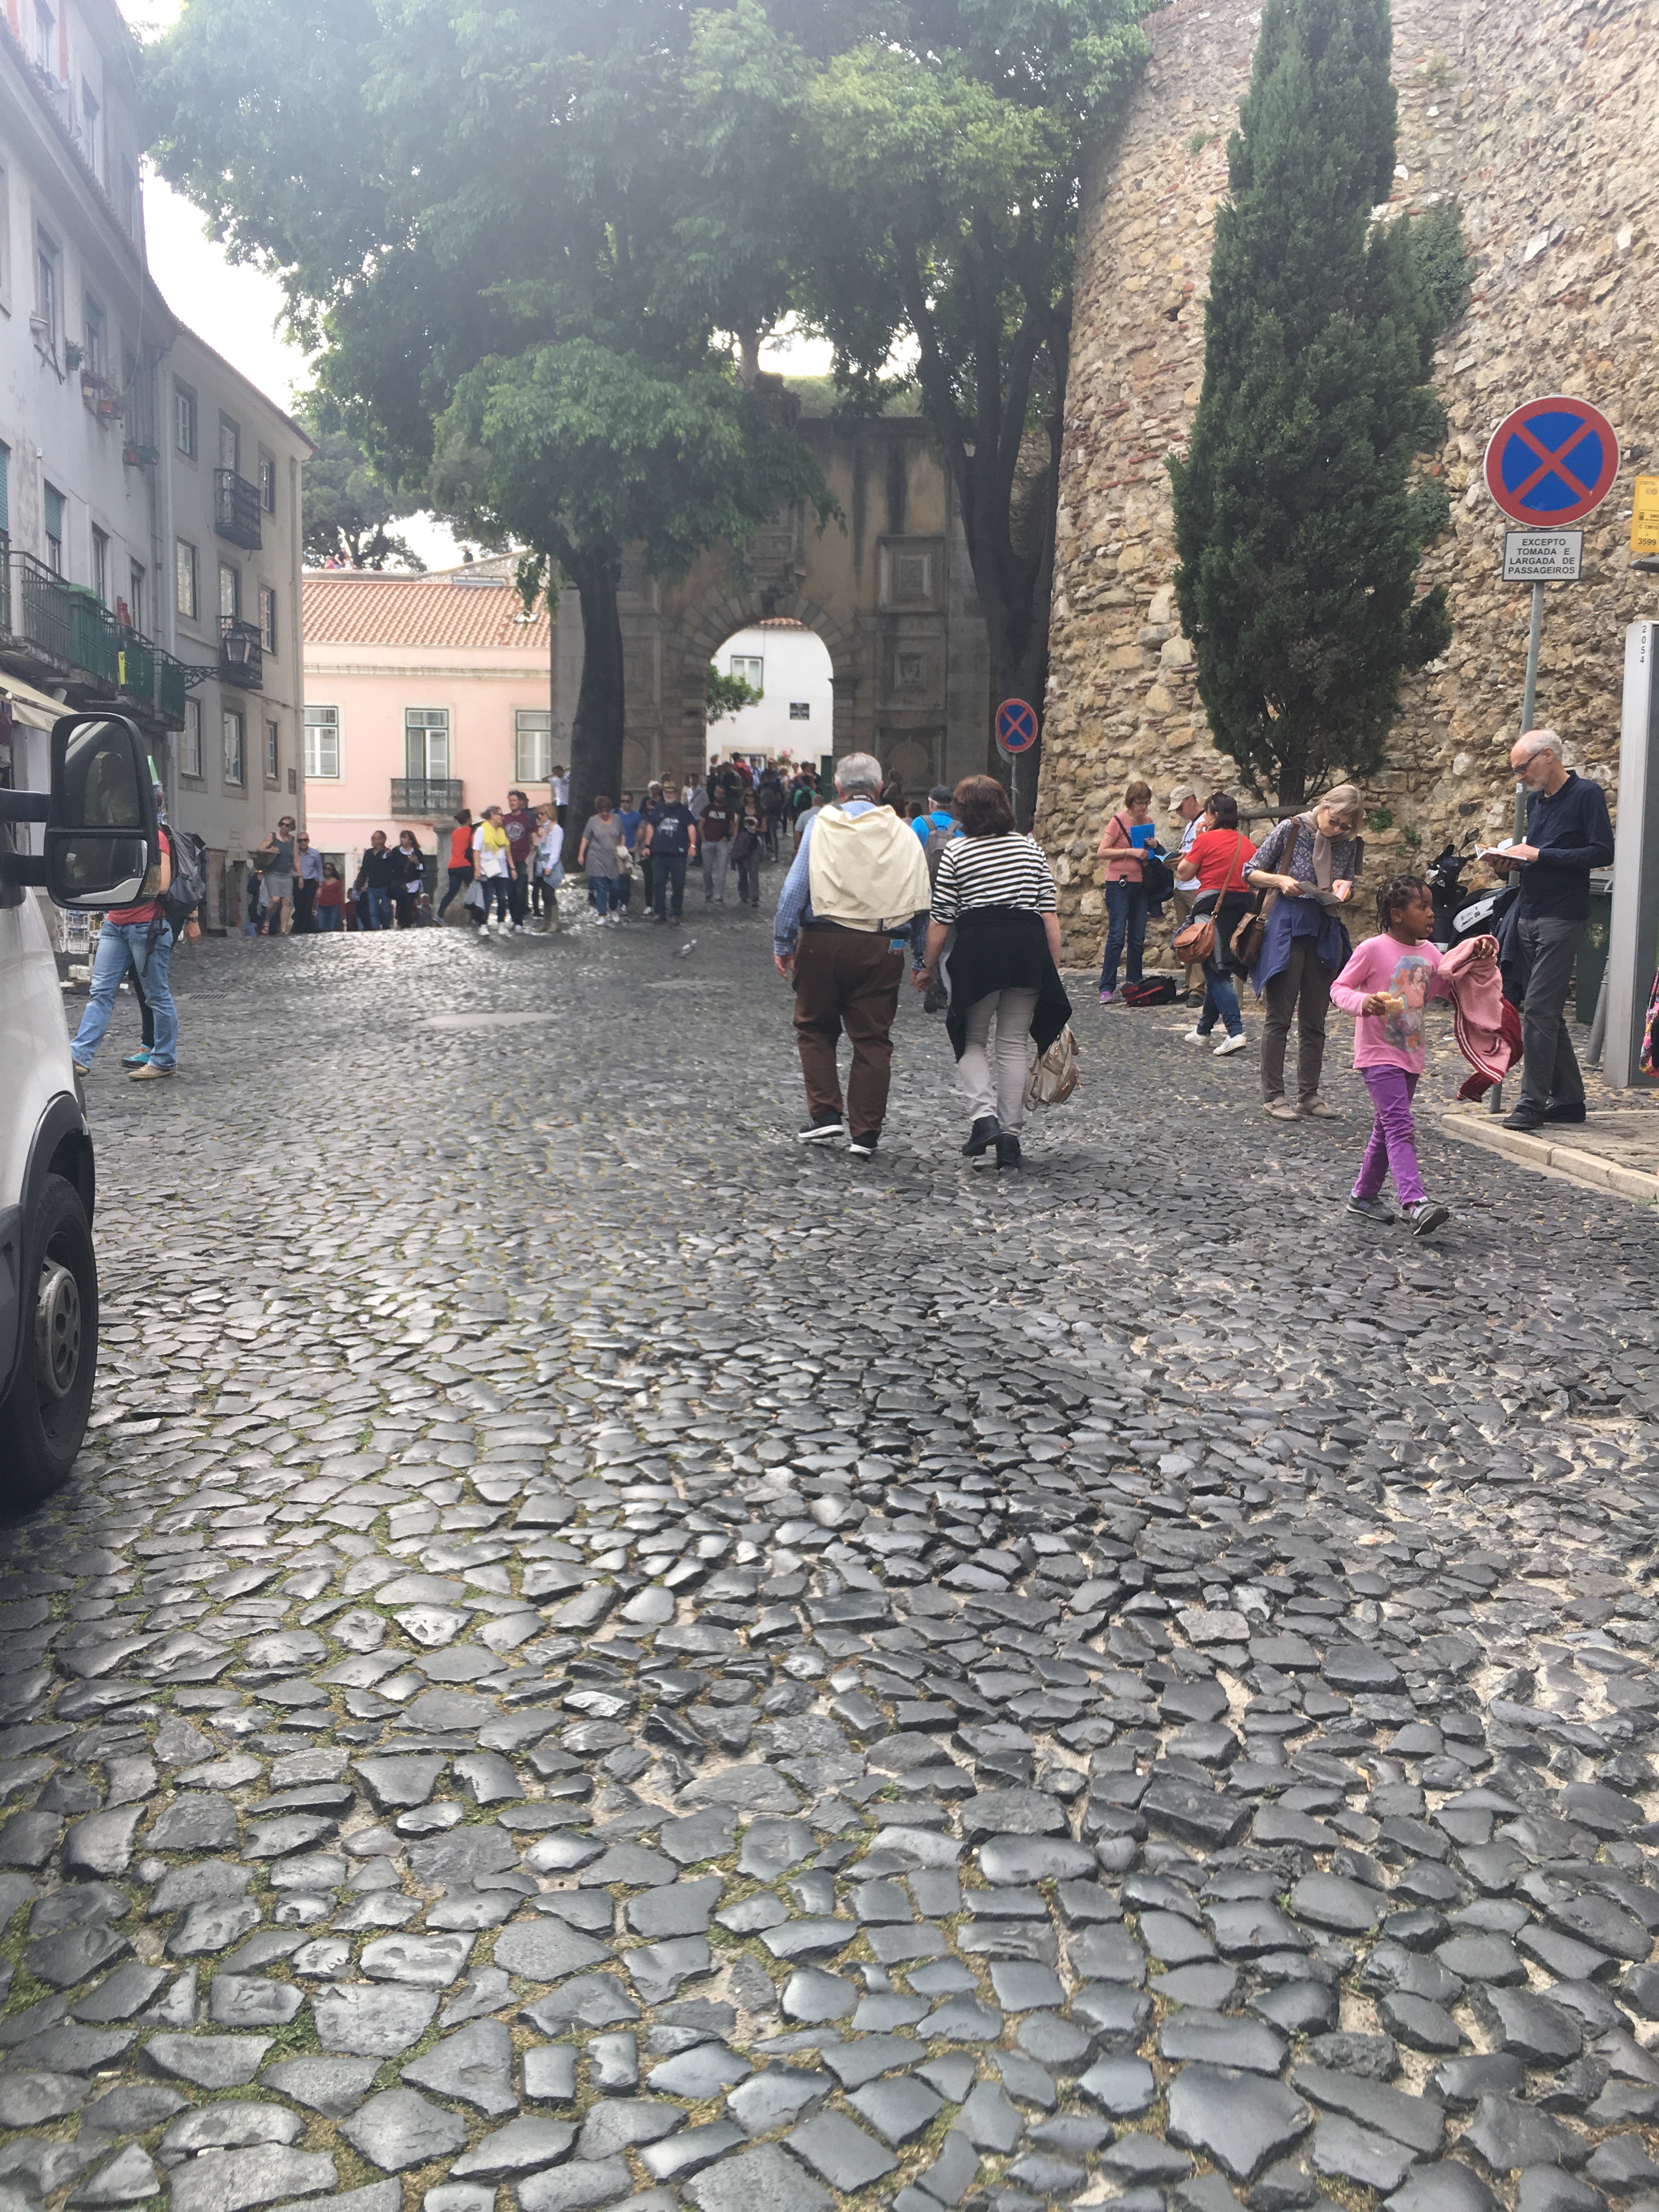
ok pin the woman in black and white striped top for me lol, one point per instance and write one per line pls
(996, 889)
(1005, 870)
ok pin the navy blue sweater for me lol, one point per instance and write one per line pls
(1573, 835)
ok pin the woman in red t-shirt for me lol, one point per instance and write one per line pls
(1216, 861)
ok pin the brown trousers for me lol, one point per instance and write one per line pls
(845, 980)
(1301, 988)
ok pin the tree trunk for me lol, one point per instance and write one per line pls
(596, 734)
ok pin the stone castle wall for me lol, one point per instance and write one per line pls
(1541, 121)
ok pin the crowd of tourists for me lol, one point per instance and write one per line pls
(973, 904)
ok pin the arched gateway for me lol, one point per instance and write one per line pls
(887, 588)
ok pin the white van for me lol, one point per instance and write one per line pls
(101, 849)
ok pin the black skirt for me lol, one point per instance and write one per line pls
(1004, 948)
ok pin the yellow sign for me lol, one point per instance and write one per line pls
(1644, 516)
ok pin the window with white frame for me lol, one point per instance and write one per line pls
(136, 594)
(186, 583)
(532, 744)
(230, 590)
(267, 483)
(235, 749)
(101, 565)
(184, 420)
(190, 739)
(91, 137)
(322, 743)
(268, 617)
(426, 744)
(95, 344)
(749, 668)
(46, 301)
(45, 24)
(55, 512)
(273, 752)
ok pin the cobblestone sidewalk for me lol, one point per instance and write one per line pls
(593, 1660)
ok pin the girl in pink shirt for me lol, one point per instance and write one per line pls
(1385, 986)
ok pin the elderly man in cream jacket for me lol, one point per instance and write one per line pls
(857, 893)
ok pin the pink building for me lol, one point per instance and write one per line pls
(423, 694)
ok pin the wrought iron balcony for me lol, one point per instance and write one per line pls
(241, 653)
(425, 798)
(172, 679)
(236, 509)
(37, 615)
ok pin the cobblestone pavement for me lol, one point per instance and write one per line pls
(593, 1659)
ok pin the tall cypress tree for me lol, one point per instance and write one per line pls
(1299, 516)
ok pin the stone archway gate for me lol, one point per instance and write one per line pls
(887, 588)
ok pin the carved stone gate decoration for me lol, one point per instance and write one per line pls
(887, 588)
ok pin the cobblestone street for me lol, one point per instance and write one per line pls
(595, 1658)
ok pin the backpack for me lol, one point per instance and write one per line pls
(1154, 991)
(188, 888)
(933, 848)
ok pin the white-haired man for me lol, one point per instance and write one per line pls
(856, 891)
(1568, 834)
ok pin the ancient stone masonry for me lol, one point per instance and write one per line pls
(1535, 120)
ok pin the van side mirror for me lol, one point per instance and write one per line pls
(102, 838)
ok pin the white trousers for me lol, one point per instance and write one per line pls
(999, 1088)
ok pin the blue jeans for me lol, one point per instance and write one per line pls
(601, 887)
(1220, 999)
(328, 917)
(376, 908)
(118, 943)
(1126, 917)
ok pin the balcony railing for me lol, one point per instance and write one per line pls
(37, 613)
(236, 509)
(95, 641)
(172, 683)
(241, 653)
(425, 798)
(61, 631)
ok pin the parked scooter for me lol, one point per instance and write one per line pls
(1457, 915)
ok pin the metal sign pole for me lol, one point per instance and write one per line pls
(1534, 639)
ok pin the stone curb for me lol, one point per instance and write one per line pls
(1588, 1168)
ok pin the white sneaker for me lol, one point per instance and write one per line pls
(1229, 1044)
(1196, 1036)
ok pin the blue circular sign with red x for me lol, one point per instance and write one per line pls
(1552, 462)
(1017, 726)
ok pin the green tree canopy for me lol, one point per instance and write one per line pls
(940, 145)
(346, 506)
(1299, 516)
(493, 225)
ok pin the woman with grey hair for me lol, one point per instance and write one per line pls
(1306, 864)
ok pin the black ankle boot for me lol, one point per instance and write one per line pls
(983, 1135)
(1008, 1151)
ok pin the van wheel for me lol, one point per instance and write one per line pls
(43, 1418)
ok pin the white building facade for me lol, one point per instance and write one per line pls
(96, 492)
(234, 526)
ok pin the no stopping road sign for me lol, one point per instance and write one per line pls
(1552, 462)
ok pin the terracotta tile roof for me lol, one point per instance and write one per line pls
(454, 609)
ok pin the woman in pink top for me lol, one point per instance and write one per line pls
(1127, 837)
(1385, 986)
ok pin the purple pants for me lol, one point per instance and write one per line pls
(1392, 1146)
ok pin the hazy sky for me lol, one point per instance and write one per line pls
(236, 308)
